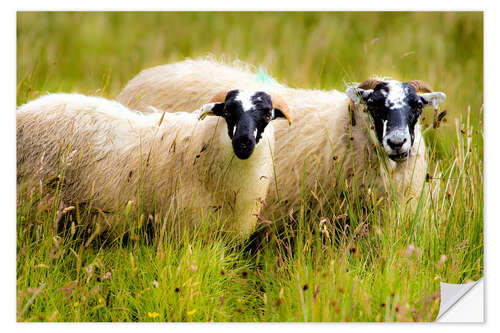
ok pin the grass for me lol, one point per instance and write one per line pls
(386, 266)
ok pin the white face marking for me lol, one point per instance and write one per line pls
(245, 98)
(395, 98)
(398, 136)
(255, 135)
(234, 130)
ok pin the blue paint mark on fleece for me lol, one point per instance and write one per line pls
(263, 77)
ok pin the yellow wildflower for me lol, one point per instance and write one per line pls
(153, 314)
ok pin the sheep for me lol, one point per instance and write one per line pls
(332, 143)
(105, 153)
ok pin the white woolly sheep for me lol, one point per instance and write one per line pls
(106, 153)
(331, 141)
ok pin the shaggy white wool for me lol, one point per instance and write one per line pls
(109, 152)
(320, 145)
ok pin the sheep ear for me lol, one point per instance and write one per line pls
(280, 108)
(277, 113)
(433, 99)
(211, 109)
(358, 95)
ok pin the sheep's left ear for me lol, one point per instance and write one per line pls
(211, 109)
(358, 95)
(280, 108)
(278, 113)
(433, 99)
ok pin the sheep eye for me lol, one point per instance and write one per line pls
(375, 102)
(418, 105)
(226, 114)
(267, 117)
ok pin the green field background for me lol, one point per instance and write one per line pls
(97, 53)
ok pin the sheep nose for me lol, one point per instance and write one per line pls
(243, 147)
(244, 143)
(396, 142)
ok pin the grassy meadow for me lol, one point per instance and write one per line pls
(385, 265)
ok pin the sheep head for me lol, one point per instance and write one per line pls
(247, 114)
(395, 108)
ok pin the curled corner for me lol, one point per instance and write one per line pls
(451, 294)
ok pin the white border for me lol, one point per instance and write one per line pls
(492, 135)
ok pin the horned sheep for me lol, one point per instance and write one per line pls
(335, 140)
(105, 153)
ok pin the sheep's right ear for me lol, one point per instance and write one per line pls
(358, 95)
(211, 109)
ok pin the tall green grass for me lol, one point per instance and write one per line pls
(385, 265)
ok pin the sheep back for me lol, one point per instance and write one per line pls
(108, 155)
(321, 149)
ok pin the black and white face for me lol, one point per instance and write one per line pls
(247, 113)
(395, 108)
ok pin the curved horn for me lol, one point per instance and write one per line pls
(220, 97)
(369, 84)
(280, 104)
(421, 86)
